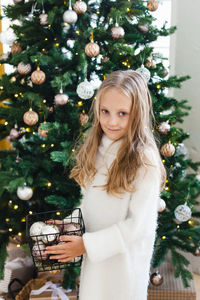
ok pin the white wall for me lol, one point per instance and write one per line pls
(185, 60)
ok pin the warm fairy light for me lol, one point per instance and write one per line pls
(28, 129)
(16, 95)
(178, 226)
(19, 233)
(1, 87)
(10, 202)
(158, 86)
(10, 229)
(55, 39)
(166, 188)
(120, 53)
(36, 59)
(49, 183)
(166, 180)
(191, 222)
(6, 123)
(49, 25)
(23, 220)
(163, 161)
(190, 237)
(52, 145)
(73, 150)
(34, 132)
(43, 145)
(171, 166)
(43, 50)
(164, 237)
(78, 31)
(128, 9)
(58, 213)
(46, 39)
(76, 53)
(16, 207)
(129, 66)
(30, 212)
(98, 12)
(18, 245)
(7, 219)
(80, 103)
(44, 101)
(57, 44)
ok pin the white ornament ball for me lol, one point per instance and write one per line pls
(61, 99)
(70, 16)
(49, 233)
(198, 177)
(183, 213)
(80, 7)
(24, 193)
(164, 127)
(43, 19)
(8, 37)
(14, 134)
(36, 229)
(85, 90)
(144, 72)
(161, 205)
(117, 32)
(181, 149)
(38, 251)
(23, 69)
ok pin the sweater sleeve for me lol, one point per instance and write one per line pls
(141, 221)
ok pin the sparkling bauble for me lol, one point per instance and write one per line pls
(38, 251)
(197, 251)
(80, 7)
(30, 118)
(14, 134)
(23, 69)
(92, 49)
(16, 48)
(85, 90)
(143, 28)
(83, 118)
(71, 228)
(152, 5)
(61, 99)
(183, 213)
(43, 18)
(156, 278)
(50, 233)
(70, 16)
(38, 76)
(181, 149)
(24, 193)
(164, 127)
(36, 230)
(144, 72)
(161, 205)
(167, 150)
(42, 132)
(117, 32)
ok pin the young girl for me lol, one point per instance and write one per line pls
(121, 174)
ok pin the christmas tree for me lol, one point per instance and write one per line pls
(61, 51)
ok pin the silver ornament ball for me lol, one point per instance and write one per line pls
(70, 16)
(144, 72)
(85, 90)
(24, 193)
(183, 213)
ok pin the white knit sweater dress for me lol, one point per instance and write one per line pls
(120, 233)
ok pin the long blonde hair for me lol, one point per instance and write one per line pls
(131, 154)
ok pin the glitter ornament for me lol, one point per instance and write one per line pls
(24, 193)
(16, 48)
(85, 90)
(167, 150)
(164, 127)
(70, 16)
(36, 229)
(23, 69)
(42, 132)
(156, 278)
(92, 49)
(38, 76)
(38, 251)
(14, 134)
(43, 18)
(49, 234)
(71, 228)
(152, 5)
(30, 118)
(80, 7)
(117, 32)
(61, 99)
(183, 213)
(83, 118)
(161, 205)
(144, 72)
(143, 28)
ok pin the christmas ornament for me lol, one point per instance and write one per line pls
(83, 118)
(43, 18)
(16, 48)
(164, 127)
(5, 56)
(198, 177)
(156, 278)
(143, 28)
(8, 36)
(181, 149)
(38, 76)
(23, 69)
(42, 132)
(117, 32)
(164, 72)
(36, 229)
(150, 62)
(152, 5)
(31, 15)
(14, 134)
(30, 117)
(161, 205)
(18, 1)
(70, 16)
(24, 193)
(49, 233)
(85, 90)
(92, 49)
(166, 112)
(80, 7)
(167, 150)
(71, 228)
(38, 251)
(144, 72)
(50, 109)
(197, 251)
(104, 59)
(61, 99)
(183, 213)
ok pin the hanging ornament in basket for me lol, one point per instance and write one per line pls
(164, 127)
(24, 193)
(83, 118)
(80, 7)
(70, 16)
(156, 278)
(23, 68)
(161, 205)
(152, 5)
(144, 72)
(167, 150)
(92, 49)
(30, 117)
(117, 32)
(85, 90)
(38, 76)
(61, 98)
(16, 48)
(183, 213)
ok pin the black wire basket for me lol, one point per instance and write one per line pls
(65, 222)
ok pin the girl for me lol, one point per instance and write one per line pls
(121, 174)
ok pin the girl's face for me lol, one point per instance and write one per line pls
(115, 108)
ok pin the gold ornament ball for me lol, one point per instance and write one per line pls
(156, 279)
(80, 7)
(38, 77)
(30, 118)
(16, 48)
(167, 150)
(83, 118)
(92, 49)
(152, 5)
(117, 32)
(42, 132)
(23, 69)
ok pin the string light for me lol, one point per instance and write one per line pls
(43, 145)
(16, 207)
(30, 212)
(58, 213)
(6, 123)
(166, 188)
(10, 229)
(44, 101)
(28, 129)
(57, 44)
(158, 86)
(80, 103)
(128, 9)
(164, 237)
(178, 226)
(166, 180)
(16, 95)
(1, 87)
(23, 220)
(190, 237)
(78, 31)
(49, 183)
(10, 202)
(76, 53)
(52, 145)
(36, 59)
(49, 25)
(18, 245)
(191, 222)
(46, 39)
(7, 219)
(19, 233)
(163, 161)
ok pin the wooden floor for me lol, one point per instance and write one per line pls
(197, 285)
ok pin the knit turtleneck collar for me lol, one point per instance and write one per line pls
(108, 146)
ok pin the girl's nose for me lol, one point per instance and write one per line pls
(112, 121)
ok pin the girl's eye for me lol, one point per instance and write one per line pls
(104, 111)
(122, 113)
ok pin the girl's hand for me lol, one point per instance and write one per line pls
(67, 251)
